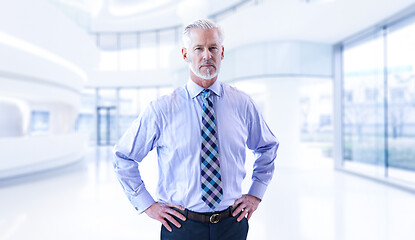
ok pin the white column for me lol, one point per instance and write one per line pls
(282, 112)
(278, 99)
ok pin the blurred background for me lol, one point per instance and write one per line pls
(334, 79)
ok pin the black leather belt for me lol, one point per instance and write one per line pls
(213, 217)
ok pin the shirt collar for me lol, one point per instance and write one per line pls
(195, 89)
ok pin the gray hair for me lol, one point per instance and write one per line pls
(204, 24)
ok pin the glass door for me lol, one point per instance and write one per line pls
(105, 122)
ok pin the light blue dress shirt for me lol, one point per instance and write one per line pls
(172, 124)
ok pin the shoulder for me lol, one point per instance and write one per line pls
(171, 101)
(240, 101)
(235, 94)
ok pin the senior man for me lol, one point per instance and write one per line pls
(201, 132)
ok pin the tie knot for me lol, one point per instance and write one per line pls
(206, 93)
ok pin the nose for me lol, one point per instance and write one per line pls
(207, 54)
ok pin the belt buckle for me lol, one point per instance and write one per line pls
(214, 218)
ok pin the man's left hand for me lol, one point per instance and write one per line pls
(247, 204)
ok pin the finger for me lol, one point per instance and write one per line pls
(176, 214)
(241, 216)
(238, 209)
(172, 220)
(166, 225)
(237, 201)
(176, 206)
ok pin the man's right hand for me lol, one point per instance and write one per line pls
(163, 211)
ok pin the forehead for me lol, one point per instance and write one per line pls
(204, 37)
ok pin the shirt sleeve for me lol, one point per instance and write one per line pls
(140, 138)
(264, 145)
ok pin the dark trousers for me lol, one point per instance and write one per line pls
(226, 229)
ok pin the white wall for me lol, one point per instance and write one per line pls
(44, 63)
(278, 99)
(23, 155)
(12, 119)
(42, 24)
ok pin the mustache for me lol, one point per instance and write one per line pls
(208, 62)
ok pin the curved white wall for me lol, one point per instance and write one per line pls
(23, 155)
(42, 24)
(59, 146)
(44, 64)
(12, 118)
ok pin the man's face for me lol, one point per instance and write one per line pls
(204, 53)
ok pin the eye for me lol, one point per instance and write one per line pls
(198, 49)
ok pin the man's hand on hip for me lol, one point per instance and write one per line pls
(247, 204)
(163, 212)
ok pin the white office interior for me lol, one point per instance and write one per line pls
(334, 79)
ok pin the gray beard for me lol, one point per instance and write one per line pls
(200, 75)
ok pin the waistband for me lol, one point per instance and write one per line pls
(210, 217)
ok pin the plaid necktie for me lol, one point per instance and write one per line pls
(211, 180)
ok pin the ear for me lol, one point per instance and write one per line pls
(184, 54)
(223, 53)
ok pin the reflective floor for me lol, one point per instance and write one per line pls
(306, 201)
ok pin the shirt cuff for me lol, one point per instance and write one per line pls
(257, 189)
(143, 201)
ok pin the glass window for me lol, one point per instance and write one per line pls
(401, 99)
(133, 101)
(325, 120)
(129, 108)
(146, 95)
(148, 53)
(363, 113)
(128, 51)
(167, 46)
(147, 58)
(106, 116)
(98, 110)
(86, 118)
(316, 107)
(379, 103)
(348, 96)
(108, 41)
(39, 122)
(107, 97)
(108, 61)
(128, 40)
(371, 94)
(129, 59)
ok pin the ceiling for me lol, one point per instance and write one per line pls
(326, 21)
(323, 21)
(140, 15)
(127, 15)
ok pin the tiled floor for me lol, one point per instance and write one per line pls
(308, 201)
